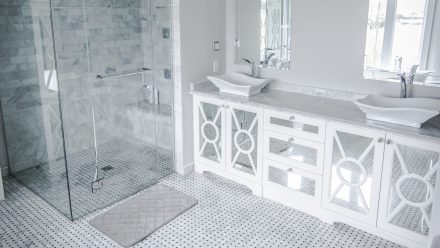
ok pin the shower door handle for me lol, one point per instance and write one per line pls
(152, 93)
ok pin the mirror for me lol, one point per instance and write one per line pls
(263, 32)
(403, 37)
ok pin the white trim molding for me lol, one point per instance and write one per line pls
(2, 193)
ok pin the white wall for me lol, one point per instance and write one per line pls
(201, 23)
(328, 47)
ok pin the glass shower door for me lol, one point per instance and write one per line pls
(117, 105)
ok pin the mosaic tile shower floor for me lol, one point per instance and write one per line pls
(227, 215)
(127, 165)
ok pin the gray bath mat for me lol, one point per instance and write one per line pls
(135, 219)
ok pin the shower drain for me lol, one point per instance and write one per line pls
(107, 168)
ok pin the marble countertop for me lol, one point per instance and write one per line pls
(331, 109)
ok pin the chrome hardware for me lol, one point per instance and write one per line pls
(406, 82)
(291, 118)
(380, 140)
(252, 65)
(290, 140)
(389, 142)
(141, 70)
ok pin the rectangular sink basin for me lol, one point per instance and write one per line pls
(239, 84)
(412, 112)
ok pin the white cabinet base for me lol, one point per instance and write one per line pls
(254, 187)
(331, 218)
(330, 215)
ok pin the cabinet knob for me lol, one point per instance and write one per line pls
(389, 142)
(291, 118)
(380, 140)
(290, 170)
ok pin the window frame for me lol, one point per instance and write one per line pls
(426, 39)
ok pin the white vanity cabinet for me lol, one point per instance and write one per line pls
(228, 138)
(360, 175)
(408, 186)
(352, 171)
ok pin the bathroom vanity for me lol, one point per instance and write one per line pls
(321, 156)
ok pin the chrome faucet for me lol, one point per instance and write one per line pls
(406, 81)
(267, 58)
(252, 65)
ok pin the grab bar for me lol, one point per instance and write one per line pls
(142, 70)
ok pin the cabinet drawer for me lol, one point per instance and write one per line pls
(295, 152)
(296, 125)
(293, 185)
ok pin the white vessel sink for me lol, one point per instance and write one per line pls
(239, 84)
(411, 112)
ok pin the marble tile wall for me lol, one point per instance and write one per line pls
(29, 103)
(103, 37)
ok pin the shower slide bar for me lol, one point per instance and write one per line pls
(141, 70)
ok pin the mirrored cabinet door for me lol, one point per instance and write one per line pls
(210, 135)
(352, 171)
(244, 131)
(409, 182)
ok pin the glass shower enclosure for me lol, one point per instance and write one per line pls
(86, 95)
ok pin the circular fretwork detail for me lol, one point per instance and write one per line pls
(237, 143)
(349, 182)
(429, 189)
(206, 125)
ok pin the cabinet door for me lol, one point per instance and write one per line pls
(244, 133)
(352, 171)
(209, 134)
(408, 186)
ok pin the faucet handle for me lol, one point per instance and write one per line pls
(414, 69)
(249, 61)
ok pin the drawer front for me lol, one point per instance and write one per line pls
(294, 183)
(296, 125)
(295, 152)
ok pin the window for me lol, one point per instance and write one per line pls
(399, 36)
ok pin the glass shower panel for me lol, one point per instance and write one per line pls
(117, 104)
(29, 94)
(86, 96)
